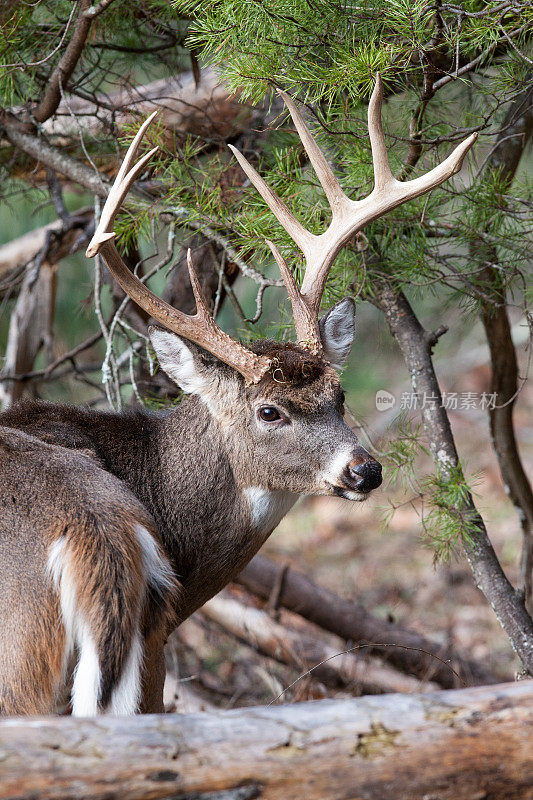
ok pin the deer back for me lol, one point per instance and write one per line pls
(81, 573)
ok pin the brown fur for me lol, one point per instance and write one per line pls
(65, 495)
(30, 683)
(297, 379)
(190, 471)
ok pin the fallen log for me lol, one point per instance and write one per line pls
(20, 252)
(181, 697)
(331, 666)
(460, 745)
(206, 108)
(406, 649)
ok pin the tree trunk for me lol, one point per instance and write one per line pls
(416, 346)
(461, 745)
(505, 384)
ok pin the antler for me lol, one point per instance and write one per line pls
(200, 328)
(320, 251)
(348, 216)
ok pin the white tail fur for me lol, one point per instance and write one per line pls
(125, 696)
(87, 676)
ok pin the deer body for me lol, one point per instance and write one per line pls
(105, 514)
(82, 578)
(208, 480)
(205, 520)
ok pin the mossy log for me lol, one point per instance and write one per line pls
(460, 744)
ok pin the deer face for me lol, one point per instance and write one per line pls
(287, 433)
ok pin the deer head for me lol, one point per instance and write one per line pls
(284, 401)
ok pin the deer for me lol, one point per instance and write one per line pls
(116, 527)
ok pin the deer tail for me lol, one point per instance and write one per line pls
(106, 568)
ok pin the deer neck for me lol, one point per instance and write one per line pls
(211, 525)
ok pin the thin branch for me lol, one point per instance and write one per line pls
(220, 239)
(62, 73)
(26, 65)
(476, 61)
(47, 372)
(515, 48)
(92, 12)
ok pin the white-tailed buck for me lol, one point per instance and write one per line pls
(116, 527)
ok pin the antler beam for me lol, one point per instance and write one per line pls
(348, 216)
(200, 328)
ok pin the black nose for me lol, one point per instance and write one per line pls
(364, 475)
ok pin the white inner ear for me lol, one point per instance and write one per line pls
(177, 360)
(337, 329)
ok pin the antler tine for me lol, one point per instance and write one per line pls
(200, 328)
(323, 171)
(305, 323)
(348, 216)
(134, 146)
(286, 218)
(384, 180)
(380, 158)
(202, 306)
(123, 181)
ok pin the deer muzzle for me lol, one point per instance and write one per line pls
(363, 474)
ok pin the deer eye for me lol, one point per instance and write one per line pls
(269, 414)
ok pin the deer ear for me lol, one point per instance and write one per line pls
(184, 362)
(337, 329)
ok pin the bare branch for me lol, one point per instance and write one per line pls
(71, 168)
(66, 66)
(478, 60)
(27, 64)
(47, 372)
(29, 328)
